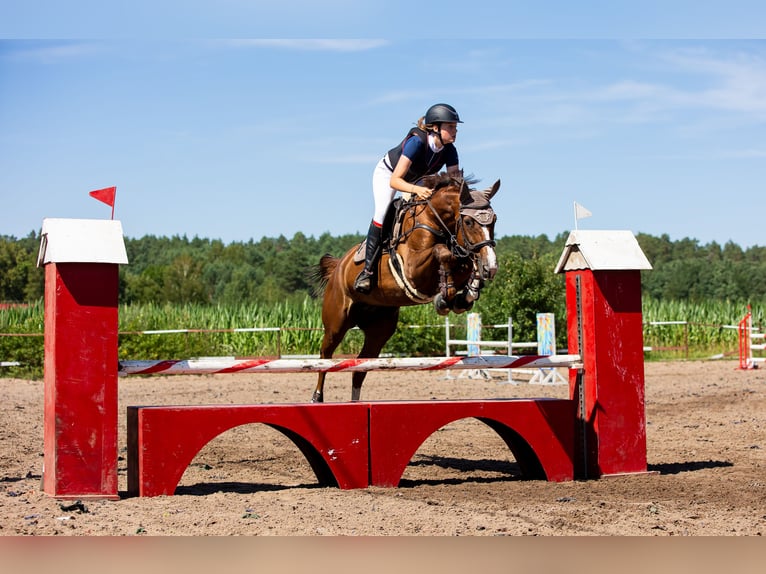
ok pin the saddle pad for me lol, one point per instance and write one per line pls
(360, 251)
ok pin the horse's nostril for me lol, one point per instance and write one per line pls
(487, 271)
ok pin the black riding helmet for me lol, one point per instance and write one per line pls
(439, 113)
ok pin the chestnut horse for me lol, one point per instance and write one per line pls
(442, 250)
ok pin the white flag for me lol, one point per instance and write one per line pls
(581, 212)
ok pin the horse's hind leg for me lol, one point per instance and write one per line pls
(378, 327)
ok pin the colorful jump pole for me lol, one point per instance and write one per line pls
(81, 258)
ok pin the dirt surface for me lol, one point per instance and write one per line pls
(706, 434)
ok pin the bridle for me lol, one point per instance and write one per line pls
(468, 248)
(458, 242)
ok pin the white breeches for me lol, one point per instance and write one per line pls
(382, 192)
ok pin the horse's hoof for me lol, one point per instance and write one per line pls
(317, 397)
(462, 303)
(440, 305)
(457, 310)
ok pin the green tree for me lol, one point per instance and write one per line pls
(182, 281)
(20, 278)
(521, 289)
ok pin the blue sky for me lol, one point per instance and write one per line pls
(233, 133)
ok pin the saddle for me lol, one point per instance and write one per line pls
(389, 239)
(390, 231)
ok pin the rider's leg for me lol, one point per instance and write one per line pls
(363, 283)
(382, 194)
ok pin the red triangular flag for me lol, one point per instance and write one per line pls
(105, 195)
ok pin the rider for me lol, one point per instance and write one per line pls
(424, 151)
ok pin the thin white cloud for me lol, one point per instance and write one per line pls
(719, 93)
(701, 89)
(493, 144)
(745, 154)
(46, 52)
(437, 93)
(398, 96)
(734, 83)
(348, 159)
(631, 90)
(312, 44)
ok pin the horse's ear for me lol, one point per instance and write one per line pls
(465, 193)
(493, 190)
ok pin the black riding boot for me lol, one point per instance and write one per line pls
(363, 283)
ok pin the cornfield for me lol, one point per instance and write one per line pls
(700, 330)
(267, 330)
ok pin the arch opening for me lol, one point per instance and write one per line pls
(467, 450)
(255, 457)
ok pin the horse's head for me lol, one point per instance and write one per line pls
(471, 218)
(476, 227)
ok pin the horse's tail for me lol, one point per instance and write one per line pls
(319, 274)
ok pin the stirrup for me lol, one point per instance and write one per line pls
(363, 283)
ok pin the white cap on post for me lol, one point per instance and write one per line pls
(602, 250)
(81, 241)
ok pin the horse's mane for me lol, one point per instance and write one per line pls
(444, 179)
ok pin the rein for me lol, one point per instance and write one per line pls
(450, 239)
(463, 251)
(459, 251)
(455, 248)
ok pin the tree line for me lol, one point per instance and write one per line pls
(207, 271)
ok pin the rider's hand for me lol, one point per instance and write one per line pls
(423, 192)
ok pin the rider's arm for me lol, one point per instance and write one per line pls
(398, 183)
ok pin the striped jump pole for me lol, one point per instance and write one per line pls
(219, 365)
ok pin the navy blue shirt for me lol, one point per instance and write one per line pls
(424, 161)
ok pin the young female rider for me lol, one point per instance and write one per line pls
(424, 151)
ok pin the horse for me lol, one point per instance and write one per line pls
(441, 250)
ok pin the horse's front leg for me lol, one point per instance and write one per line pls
(446, 285)
(465, 298)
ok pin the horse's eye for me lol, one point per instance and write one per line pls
(469, 222)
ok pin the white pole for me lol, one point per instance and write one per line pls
(446, 330)
(574, 207)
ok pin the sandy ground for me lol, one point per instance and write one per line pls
(706, 434)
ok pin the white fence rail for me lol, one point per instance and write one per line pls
(545, 345)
